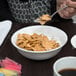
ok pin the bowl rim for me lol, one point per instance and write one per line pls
(29, 51)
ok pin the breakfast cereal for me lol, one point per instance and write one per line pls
(36, 42)
(44, 18)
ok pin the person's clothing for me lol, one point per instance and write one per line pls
(29, 10)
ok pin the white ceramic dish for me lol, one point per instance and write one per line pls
(68, 62)
(49, 31)
(5, 27)
(73, 41)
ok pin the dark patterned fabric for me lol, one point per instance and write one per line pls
(28, 10)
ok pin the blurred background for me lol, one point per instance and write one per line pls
(4, 11)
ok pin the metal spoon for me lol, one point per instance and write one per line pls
(58, 11)
(37, 20)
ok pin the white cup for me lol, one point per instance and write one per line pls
(64, 63)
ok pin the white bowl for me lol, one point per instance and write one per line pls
(68, 62)
(73, 41)
(49, 31)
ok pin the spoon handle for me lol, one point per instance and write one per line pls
(58, 10)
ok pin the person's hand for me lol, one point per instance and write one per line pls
(68, 12)
(71, 3)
